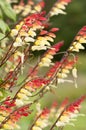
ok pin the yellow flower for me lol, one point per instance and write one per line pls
(19, 102)
(78, 46)
(18, 42)
(22, 96)
(37, 8)
(82, 40)
(8, 126)
(1, 118)
(61, 6)
(65, 71)
(29, 39)
(26, 92)
(14, 32)
(32, 33)
(18, 27)
(36, 128)
(42, 123)
(74, 72)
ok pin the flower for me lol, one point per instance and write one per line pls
(70, 112)
(52, 70)
(14, 116)
(59, 7)
(43, 41)
(74, 72)
(24, 94)
(79, 40)
(46, 60)
(42, 120)
(66, 66)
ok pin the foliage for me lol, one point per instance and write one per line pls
(22, 83)
(6, 14)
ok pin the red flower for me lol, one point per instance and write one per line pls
(52, 70)
(45, 112)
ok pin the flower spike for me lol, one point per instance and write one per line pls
(79, 40)
(59, 7)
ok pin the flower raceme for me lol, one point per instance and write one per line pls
(24, 94)
(44, 117)
(25, 31)
(46, 60)
(29, 8)
(79, 40)
(42, 120)
(44, 39)
(65, 114)
(71, 112)
(59, 7)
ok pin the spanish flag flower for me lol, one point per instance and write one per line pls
(46, 60)
(42, 120)
(59, 7)
(14, 116)
(65, 68)
(79, 40)
(29, 8)
(23, 96)
(44, 39)
(70, 112)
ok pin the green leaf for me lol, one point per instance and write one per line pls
(1, 14)
(3, 26)
(7, 9)
(1, 35)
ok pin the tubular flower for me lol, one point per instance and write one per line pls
(46, 60)
(70, 113)
(42, 120)
(25, 31)
(26, 92)
(6, 108)
(79, 40)
(29, 8)
(59, 7)
(65, 69)
(15, 115)
(43, 41)
(53, 69)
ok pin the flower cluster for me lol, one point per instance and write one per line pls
(65, 68)
(29, 8)
(59, 7)
(52, 70)
(61, 69)
(10, 114)
(44, 40)
(46, 60)
(79, 40)
(41, 120)
(25, 31)
(63, 115)
(5, 109)
(70, 112)
(24, 94)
